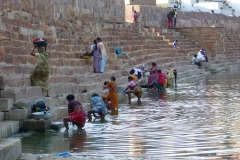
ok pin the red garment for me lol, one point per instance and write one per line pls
(78, 118)
(161, 79)
(170, 22)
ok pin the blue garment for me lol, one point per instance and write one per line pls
(98, 105)
(118, 51)
(175, 45)
(103, 63)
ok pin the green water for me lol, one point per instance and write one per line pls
(199, 119)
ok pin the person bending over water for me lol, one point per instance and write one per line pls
(98, 106)
(40, 74)
(76, 113)
(112, 94)
(134, 88)
(160, 83)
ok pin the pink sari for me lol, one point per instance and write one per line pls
(154, 76)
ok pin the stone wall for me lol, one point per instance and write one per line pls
(156, 17)
(108, 10)
(210, 38)
(143, 2)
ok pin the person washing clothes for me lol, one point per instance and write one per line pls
(104, 54)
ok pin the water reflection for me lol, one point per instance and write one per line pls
(199, 119)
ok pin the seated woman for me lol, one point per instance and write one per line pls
(76, 113)
(132, 74)
(98, 106)
(160, 83)
(154, 75)
(112, 95)
(134, 88)
(90, 52)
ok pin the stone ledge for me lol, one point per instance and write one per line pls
(8, 128)
(10, 149)
(37, 125)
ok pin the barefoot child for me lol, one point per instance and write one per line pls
(134, 88)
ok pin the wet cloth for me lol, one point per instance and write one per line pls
(39, 75)
(112, 95)
(98, 105)
(78, 118)
(97, 57)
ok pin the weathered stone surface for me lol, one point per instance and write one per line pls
(10, 149)
(29, 157)
(6, 104)
(8, 127)
(37, 125)
(1, 116)
(19, 114)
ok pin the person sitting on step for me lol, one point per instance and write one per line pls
(76, 114)
(134, 88)
(196, 61)
(175, 45)
(97, 106)
(90, 52)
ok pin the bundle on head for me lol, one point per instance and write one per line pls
(40, 42)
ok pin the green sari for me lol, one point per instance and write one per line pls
(39, 75)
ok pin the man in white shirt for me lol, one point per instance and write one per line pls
(104, 54)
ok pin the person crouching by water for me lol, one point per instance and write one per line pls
(98, 106)
(76, 114)
(154, 75)
(40, 74)
(196, 61)
(112, 95)
(134, 88)
(159, 83)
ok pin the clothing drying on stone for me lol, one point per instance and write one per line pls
(40, 74)
(97, 106)
(112, 95)
(97, 57)
(76, 114)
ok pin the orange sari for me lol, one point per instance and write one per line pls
(112, 95)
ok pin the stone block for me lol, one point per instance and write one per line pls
(10, 149)
(8, 128)
(6, 104)
(59, 113)
(29, 157)
(19, 114)
(1, 116)
(37, 125)
(1, 83)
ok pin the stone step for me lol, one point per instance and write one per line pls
(10, 149)
(8, 128)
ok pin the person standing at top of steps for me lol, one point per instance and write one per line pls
(175, 18)
(76, 114)
(135, 16)
(40, 74)
(175, 45)
(112, 95)
(169, 20)
(104, 54)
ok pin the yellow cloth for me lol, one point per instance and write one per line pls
(170, 78)
(112, 95)
(175, 15)
(39, 75)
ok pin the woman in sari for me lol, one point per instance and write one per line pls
(112, 95)
(134, 88)
(97, 57)
(39, 75)
(154, 74)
